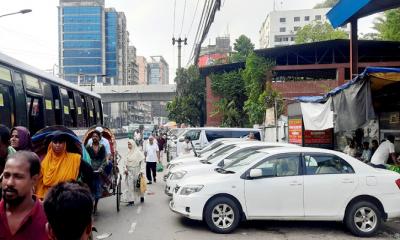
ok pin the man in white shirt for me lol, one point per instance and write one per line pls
(383, 152)
(187, 146)
(152, 155)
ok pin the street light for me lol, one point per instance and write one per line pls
(23, 11)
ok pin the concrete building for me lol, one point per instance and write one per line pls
(142, 69)
(133, 68)
(158, 70)
(280, 27)
(217, 52)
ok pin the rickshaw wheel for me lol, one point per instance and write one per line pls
(118, 193)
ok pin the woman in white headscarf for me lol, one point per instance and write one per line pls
(134, 166)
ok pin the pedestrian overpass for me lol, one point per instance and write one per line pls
(131, 93)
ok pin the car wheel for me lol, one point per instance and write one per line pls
(222, 215)
(363, 219)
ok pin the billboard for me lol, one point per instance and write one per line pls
(296, 131)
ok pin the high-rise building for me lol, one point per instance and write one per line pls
(280, 27)
(158, 71)
(81, 44)
(93, 43)
(142, 69)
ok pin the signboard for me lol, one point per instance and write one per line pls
(318, 137)
(296, 131)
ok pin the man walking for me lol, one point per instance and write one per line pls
(152, 155)
(21, 213)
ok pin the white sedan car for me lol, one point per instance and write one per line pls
(234, 152)
(292, 184)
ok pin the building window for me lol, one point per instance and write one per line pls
(317, 17)
(282, 20)
(292, 39)
(282, 29)
(307, 18)
(285, 39)
(296, 29)
(278, 39)
(297, 19)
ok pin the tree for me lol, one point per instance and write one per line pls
(243, 47)
(187, 106)
(388, 25)
(230, 87)
(326, 4)
(255, 78)
(319, 31)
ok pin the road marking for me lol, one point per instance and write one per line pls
(139, 210)
(133, 226)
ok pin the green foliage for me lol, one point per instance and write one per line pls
(243, 47)
(230, 87)
(326, 4)
(388, 25)
(255, 78)
(187, 106)
(319, 31)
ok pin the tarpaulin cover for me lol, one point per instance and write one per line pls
(317, 116)
(352, 101)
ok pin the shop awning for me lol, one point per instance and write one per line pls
(345, 10)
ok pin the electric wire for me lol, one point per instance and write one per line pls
(194, 17)
(183, 18)
(173, 31)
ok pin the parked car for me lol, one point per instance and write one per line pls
(201, 137)
(240, 151)
(292, 184)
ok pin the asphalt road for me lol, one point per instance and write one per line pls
(153, 220)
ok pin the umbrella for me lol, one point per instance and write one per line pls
(41, 140)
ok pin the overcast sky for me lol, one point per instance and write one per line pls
(32, 37)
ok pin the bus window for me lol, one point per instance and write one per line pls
(79, 113)
(91, 112)
(99, 112)
(65, 108)
(7, 116)
(95, 111)
(57, 105)
(34, 106)
(48, 104)
(19, 100)
(72, 108)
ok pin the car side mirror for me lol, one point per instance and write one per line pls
(255, 173)
(181, 139)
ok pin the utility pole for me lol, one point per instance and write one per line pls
(179, 41)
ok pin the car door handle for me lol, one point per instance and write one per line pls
(295, 183)
(347, 180)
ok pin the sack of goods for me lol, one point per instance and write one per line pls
(160, 167)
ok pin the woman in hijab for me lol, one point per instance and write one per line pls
(134, 166)
(21, 138)
(59, 165)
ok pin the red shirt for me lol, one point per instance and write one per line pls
(33, 226)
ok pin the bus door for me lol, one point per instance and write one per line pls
(85, 113)
(34, 105)
(7, 116)
(19, 100)
(79, 113)
(92, 116)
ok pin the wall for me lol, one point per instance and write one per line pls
(210, 100)
(290, 89)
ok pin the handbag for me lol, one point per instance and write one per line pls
(159, 167)
(143, 184)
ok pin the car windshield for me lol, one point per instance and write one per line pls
(221, 151)
(210, 147)
(244, 161)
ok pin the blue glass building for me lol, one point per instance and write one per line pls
(111, 44)
(81, 44)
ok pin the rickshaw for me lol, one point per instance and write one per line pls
(114, 188)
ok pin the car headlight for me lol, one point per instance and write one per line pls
(178, 175)
(187, 190)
